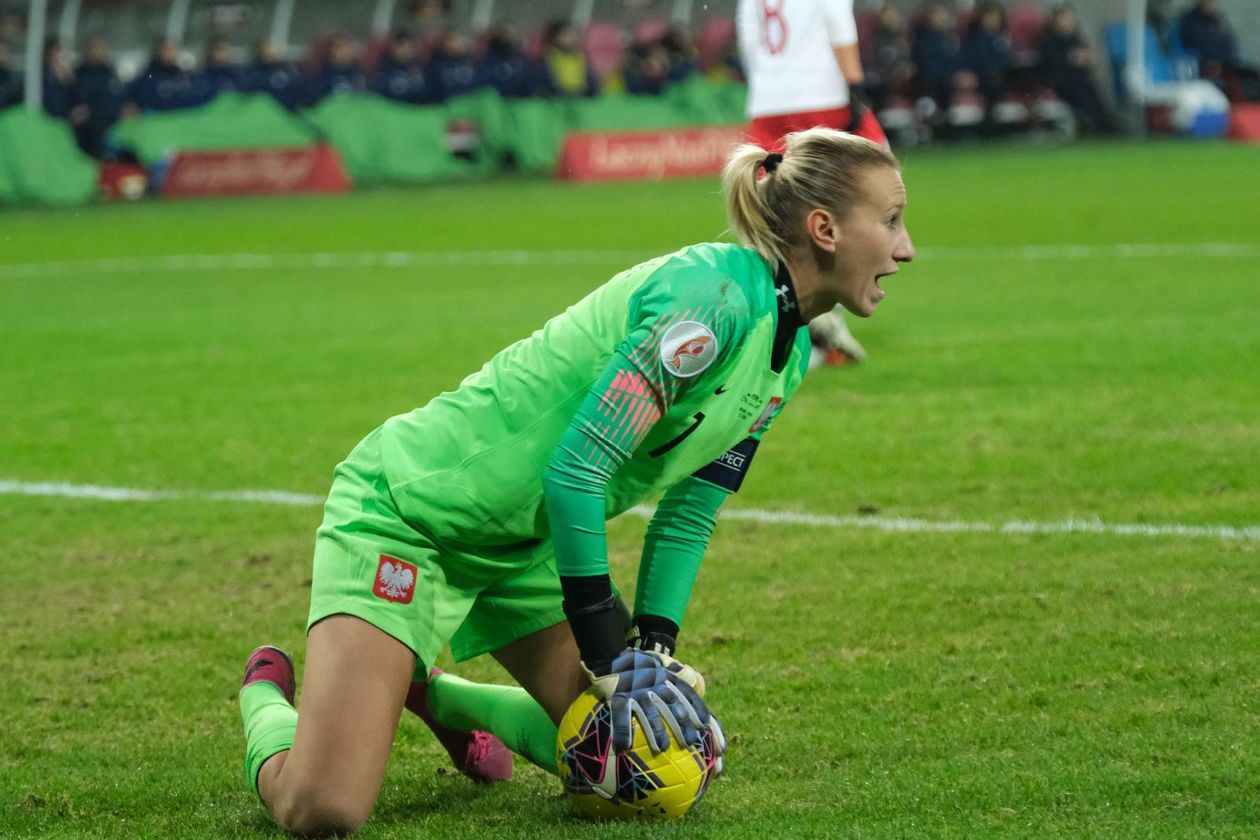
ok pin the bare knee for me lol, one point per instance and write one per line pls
(317, 812)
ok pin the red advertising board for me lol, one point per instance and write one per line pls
(1244, 122)
(256, 172)
(646, 155)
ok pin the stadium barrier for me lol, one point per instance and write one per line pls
(377, 141)
(256, 172)
(381, 141)
(229, 121)
(646, 155)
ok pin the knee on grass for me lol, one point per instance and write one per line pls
(318, 812)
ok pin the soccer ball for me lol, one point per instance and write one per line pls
(635, 784)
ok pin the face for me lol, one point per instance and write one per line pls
(97, 51)
(402, 50)
(871, 241)
(341, 52)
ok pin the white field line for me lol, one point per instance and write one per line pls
(767, 517)
(429, 259)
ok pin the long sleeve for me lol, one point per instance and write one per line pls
(677, 538)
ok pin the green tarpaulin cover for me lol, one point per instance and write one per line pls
(39, 160)
(388, 142)
(229, 121)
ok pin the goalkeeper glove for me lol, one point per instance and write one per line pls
(661, 693)
(658, 691)
(859, 105)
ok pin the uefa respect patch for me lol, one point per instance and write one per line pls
(688, 348)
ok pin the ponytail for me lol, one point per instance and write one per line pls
(747, 211)
(820, 169)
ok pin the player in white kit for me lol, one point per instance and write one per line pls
(804, 69)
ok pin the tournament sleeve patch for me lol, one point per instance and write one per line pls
(728, 471)
(688, 348)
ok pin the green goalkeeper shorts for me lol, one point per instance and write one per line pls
(372, 564)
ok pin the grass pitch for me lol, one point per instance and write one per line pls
(875, 682)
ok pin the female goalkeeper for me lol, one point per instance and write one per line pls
(478, 520)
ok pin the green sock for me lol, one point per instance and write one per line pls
(509, 714)
(270, 723)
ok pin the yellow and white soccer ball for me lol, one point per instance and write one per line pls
(634, 784)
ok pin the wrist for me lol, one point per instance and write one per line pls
(655, 633)
(595, 619)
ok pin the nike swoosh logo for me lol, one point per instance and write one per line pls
(721, 390)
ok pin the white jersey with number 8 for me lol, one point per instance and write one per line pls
(787, 47)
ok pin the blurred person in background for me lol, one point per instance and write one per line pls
(61, 96)
(568, 71)
(646, 70)
(339, 73)
(10, 79)
(804, 70)
(1205, 32)
(1068, 65)
(680, 52)
(218, 74)
(506, 66)
(163, 85)
(399, 75)
(948, 92)
(986, 51)
(887, 56)
(427, 23)
(937, 56)
(97, 86)
(452, 69)
(271, 75)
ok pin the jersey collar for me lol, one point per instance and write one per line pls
(789, 320)
(785, 298)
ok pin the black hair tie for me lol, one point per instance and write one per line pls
(772, 162)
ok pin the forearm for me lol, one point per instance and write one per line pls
(850, 61)
(611, 423)
(574, 494)
(673, 549)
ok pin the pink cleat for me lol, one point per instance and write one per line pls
(478, 755)
(271, 664)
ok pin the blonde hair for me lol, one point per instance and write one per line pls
(819, 169)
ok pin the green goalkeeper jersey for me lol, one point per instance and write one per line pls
(672, 369)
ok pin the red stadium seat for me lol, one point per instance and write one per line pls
(712, 38)
(605, 47)
(650, 29)
(1025, 23)
(536, 42)
(373, 52)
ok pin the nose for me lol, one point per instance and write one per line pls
(904, 252)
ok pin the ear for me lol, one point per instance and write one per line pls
(823, 230)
